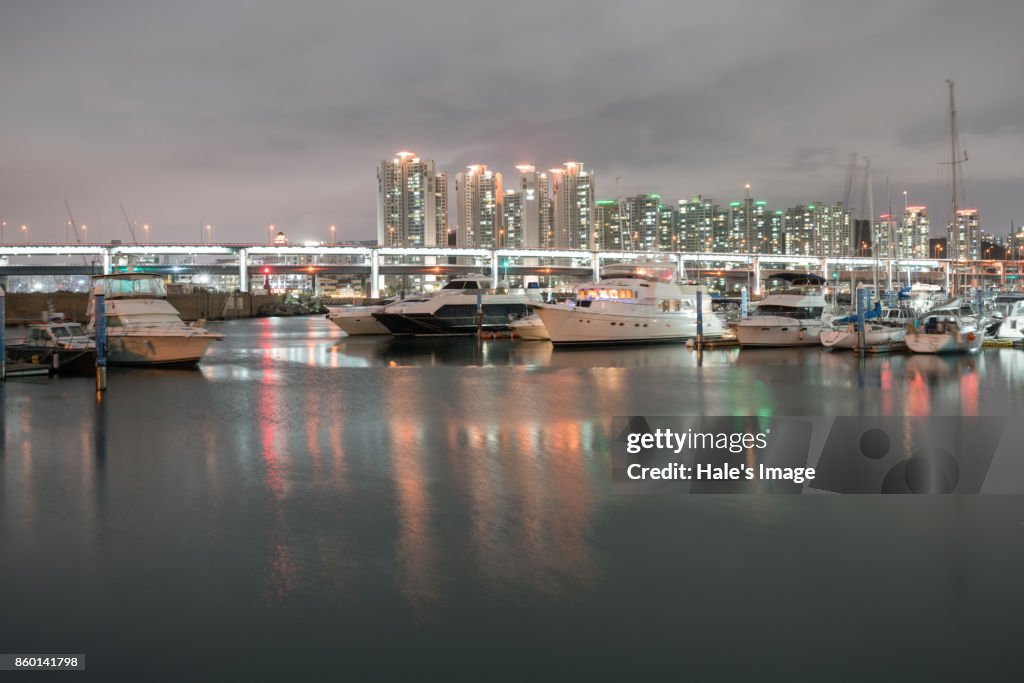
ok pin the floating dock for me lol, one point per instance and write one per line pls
(16, 369)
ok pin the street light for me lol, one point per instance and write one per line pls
(85, 233)
(24, 229)
(209, 234)
(146, 228)
(333, 228)
(3, 224)
(270, 233)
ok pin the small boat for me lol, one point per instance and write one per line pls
(645, 307)
(943, 332)
(359, 320)
(64, 347)
(793, 314)
(143, 328)
(530, 328)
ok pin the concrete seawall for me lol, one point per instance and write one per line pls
(22, 308)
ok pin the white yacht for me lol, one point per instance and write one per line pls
(794, 314)
(648, 307)
(143, 328)
(1008, 317)
(453, 310)
(359, 320)
(942, 331)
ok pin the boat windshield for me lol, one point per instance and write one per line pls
(128, 287)
(594, 293)
(68, 331)
(803, 312)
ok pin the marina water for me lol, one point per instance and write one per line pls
(309, 506)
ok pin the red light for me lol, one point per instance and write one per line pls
(266, 271)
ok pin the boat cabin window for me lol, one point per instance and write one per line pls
(802, 312)
(670, 305)
(143, 287)
(36, 334)
(603, 293)
(462, 284)
(113, 321)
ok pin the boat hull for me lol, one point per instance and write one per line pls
(530, 329)
(356, 325)
(848, 339)
(775, 331)
(969, 342)
(580, 326)
(59, 361)
(456, 320)
(157, 349)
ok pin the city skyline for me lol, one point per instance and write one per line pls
(241, 116)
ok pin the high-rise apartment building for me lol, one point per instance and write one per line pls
(573, 206)
(913, 233)
(441, 208)
(534, 214)
(479, 196)
(750, 227)
(668, 234)
(818, 230)
(608, 224)
(964, 237)
(407, 196)
(695, 221)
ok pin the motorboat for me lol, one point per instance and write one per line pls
(945, 332)
(63, 346)
(1008, 317)
(530, 328)
(453, 310)
(792, 314)
(359, 320)
(645, 307)
(142, 327)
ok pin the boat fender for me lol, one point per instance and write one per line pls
(801, 333)
(971, 336)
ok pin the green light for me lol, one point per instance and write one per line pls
(760, 203)
(810, 206)
(734, 203)
(654, 196)
(605, 202)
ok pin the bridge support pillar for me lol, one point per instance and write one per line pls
(494, 269)
(243, 270)
(374, 273)
(595, 266)
(107, 260)
(755, 264)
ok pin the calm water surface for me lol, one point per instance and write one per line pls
(311, 506)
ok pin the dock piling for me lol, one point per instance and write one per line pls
(100, 316)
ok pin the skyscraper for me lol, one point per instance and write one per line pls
(441, 208)
(407, 201)
(535, 209)
(607, 223)
(695, 219)
(573, 201)
(913, 233)
(479, 197)
(963, 238)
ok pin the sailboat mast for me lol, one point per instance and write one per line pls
(953, 253)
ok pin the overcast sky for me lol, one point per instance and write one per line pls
(240, 114)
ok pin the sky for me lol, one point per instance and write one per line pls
(243, 114)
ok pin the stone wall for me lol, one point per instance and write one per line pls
(22, 308)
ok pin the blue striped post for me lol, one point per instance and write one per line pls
(3, 341)
(744, 303)
(100, 328)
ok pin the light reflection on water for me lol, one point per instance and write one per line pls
(297, 470)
